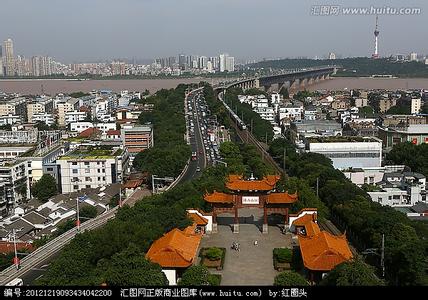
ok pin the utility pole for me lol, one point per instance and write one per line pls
(382, 256)
(266, 138)
(16, 259)
(120, 197)
(77, 209)
(153, 184)
(251, 126)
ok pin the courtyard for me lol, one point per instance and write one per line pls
(253, 264)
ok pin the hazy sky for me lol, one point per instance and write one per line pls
(84, 30)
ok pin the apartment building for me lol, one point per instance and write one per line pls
(14, 175)
(137, 138)
(91, 166)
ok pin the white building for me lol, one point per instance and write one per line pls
(89, 166)
(290, 113)
(10, 120)
(266, 113)
(46, 118)
(415, 106)
(14, 174)
(81, 126)
(348, 153)
(413, 56)
(74, 116)
(400, 189)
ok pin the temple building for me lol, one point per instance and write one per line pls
(321, 251)
(250, 194)
(175, 251)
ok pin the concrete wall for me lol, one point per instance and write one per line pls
(171, 276)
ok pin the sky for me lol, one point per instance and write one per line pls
(87, 30)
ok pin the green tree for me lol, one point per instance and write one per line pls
(352, 273)
(45, 188)
(131, 268)
(284, 92)
(195, 276)
(88, 212)
(289, 278)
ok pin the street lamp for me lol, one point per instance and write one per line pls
(73, 180)
(15, 259)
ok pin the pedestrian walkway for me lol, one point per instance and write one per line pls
(253, 264)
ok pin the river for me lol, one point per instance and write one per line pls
(52, 87)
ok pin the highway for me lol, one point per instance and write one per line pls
(197, 125)
(34, 264)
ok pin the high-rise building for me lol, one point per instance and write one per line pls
(222, 61)
(203, 60)
(35, 63)
(230, 64)
(415, 107)
(9, 59)
(413, 56)
(331, 55)
(182, 61)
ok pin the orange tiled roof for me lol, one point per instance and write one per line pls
(305, 219)
(312, 229)
(323, 251)
(198, 220)
(175, 249)
(133, 183)
(217, 197)
(236, 182)
(274, 198)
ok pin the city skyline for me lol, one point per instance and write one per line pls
(208, 28)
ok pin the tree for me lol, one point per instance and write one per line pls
(45, 188)
(88, 212)
(352, 273)
(289, 278)
(284, 92)
(195, 276)
(131, 268)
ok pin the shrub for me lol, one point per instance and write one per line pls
(214, 279)
(283, 255)
(213, 253)
(289, 278)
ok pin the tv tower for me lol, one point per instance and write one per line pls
(376, 34)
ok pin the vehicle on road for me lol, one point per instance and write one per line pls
(198, 169)
(194, 156)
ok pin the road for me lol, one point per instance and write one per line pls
(198, 126)
(33, 265)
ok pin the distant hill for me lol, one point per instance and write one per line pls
(353, 67)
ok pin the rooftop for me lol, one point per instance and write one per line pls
(323, 251)
(175, 249)
(236, 182)
(93, 152)
(343, 139)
